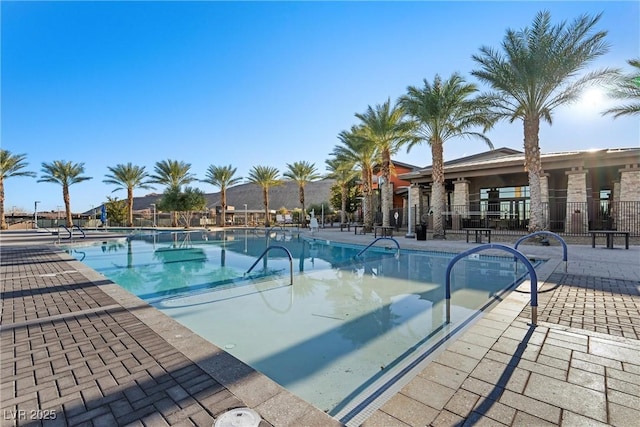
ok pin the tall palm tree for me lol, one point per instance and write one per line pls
(65, 174)
(444, 110)
(343, 174)
(173, 174)
(265, 177)
(627, 88)
(302, 172)
(223, 178)
(539, 69)
(360, 153)
(128, 176)
(10, 165)
(385, 127)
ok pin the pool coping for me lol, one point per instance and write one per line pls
(257, 390)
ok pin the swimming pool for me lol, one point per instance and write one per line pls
(347, 323)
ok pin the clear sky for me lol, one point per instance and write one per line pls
(254, 83)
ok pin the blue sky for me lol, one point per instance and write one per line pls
(254, 83)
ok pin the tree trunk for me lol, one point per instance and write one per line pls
(223, 202)
(385, 188)
(3, 222)
(343, 213)
(301, 196)
(67, 204)
(366, 200)
(533, 166)
(437, 190)
(265, 194)
(130, 206)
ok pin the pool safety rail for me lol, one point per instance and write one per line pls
(70, 231)
(546, 233)
(519, 255)
(374, 242)
(267, 251)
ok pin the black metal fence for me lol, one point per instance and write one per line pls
(559, 216)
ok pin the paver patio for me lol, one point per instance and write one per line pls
(77, 347)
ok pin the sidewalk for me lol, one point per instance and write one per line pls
(78, 347)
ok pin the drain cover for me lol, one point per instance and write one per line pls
(240, 417)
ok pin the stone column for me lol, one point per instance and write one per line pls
(577, 219)
(544, 195)
(629, 193)
(460, 202)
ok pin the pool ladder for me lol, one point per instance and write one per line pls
(379, 238)
(265, 253)
(519, 255)
(70, 231)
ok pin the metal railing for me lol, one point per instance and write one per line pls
(265, 252)
(517, 254)
(376, 240)
(559, 216)
(546, 233)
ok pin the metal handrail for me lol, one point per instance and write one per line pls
(517, 254)
(548, 233)
(68, 231)
(81, 230)
(266, 251)
(379, 238)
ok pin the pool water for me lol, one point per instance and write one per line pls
(345, 322)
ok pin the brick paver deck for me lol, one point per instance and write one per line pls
(74, 348)
(73, 356)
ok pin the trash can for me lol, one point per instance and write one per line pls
(421, 232)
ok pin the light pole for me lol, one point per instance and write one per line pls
(153, 205)
(35, 214)
(246, 224)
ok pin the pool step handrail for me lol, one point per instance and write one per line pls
(70, 231)
(372, 243)
(517, 254)
(547, 233)
(66, 229)
(84, 236)
(266, 251)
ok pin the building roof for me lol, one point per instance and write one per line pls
(506, 160)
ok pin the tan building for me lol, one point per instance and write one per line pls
(581, 191)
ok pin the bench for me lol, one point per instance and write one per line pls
(355, 229)
(478, 233)
(346, 225)
(384, 231)
(609, 235)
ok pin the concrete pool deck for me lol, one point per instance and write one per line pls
(78, 347)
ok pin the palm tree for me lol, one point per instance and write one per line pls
(265, 177)
(223, 178)
(358, 152)
(10, 165)
(343, 174)
(65, 174)
(443, 110)
(128, 177)
(173, 174)
(537, 72)
(627, 88)
(385, 128)
(302, 172)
